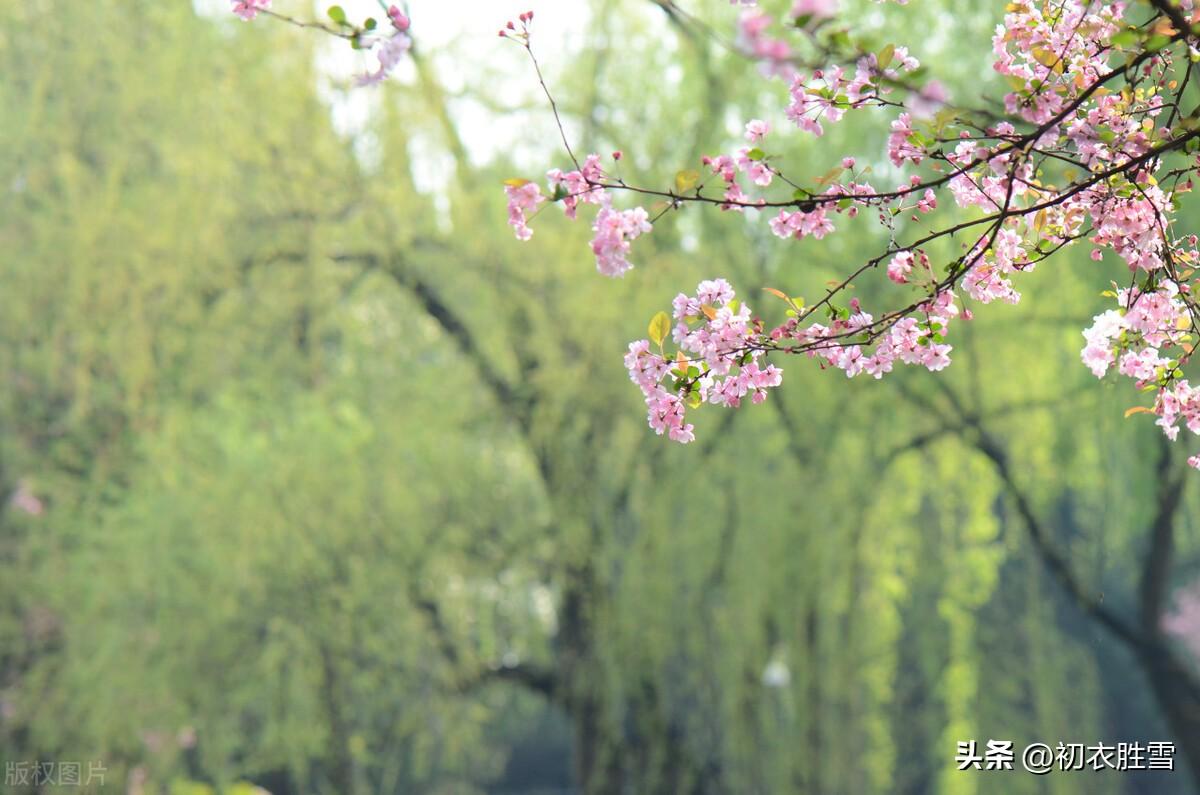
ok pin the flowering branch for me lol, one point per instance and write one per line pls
(389, 48)
(1094, 145)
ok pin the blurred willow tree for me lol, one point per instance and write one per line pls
(340, 490)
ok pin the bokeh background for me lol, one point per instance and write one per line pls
(316, 480)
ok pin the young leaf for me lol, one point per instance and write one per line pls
(337, 14)
(886, 55)
(660, 326)
(686, 180)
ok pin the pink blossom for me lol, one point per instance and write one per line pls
(522, 201)
(814, 9)
(249, 9)
(399, 21)
(1053, 58)
(614, 230)
(900, 267)
(758, 170)
(800, 224)
(581, 186)
(900, 147)
(390, 50)
(756, 130)
(720, 366)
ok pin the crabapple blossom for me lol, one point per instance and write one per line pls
(614, 230)
(757, 169)
(389, 50)
(900, 267)
(1080, 154)
(712, 363)
(1094, 145)
(580, 185)
(773, 54)
(249, 9)
(756, 130)
(523, 200)
(814, 9)
(399, 20)
(900, 149)
(800, 224)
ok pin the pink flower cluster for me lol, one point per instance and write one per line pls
(1053, 51)
(829, 93)
(581, 185)
(987, 280)
(900, 146)
(249, 9)
(1179, 403)
(614, 230)
(1135, 337)
(800, 224)
(1144, 323)
(856, 344)
(523, 201)
(391, 49)
(814, 9)
(718, 361)
(1059, 60)
(774, 54)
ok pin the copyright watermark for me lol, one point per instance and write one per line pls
(38, 773)
(1042, 758)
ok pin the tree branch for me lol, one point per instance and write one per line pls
(1055, 561)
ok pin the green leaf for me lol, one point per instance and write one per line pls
(1125, 38)
(886, 55)
(370, 23)
(337, 14)
(1157, 42)
(686, 180)
(756, 154)
(660, 326)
